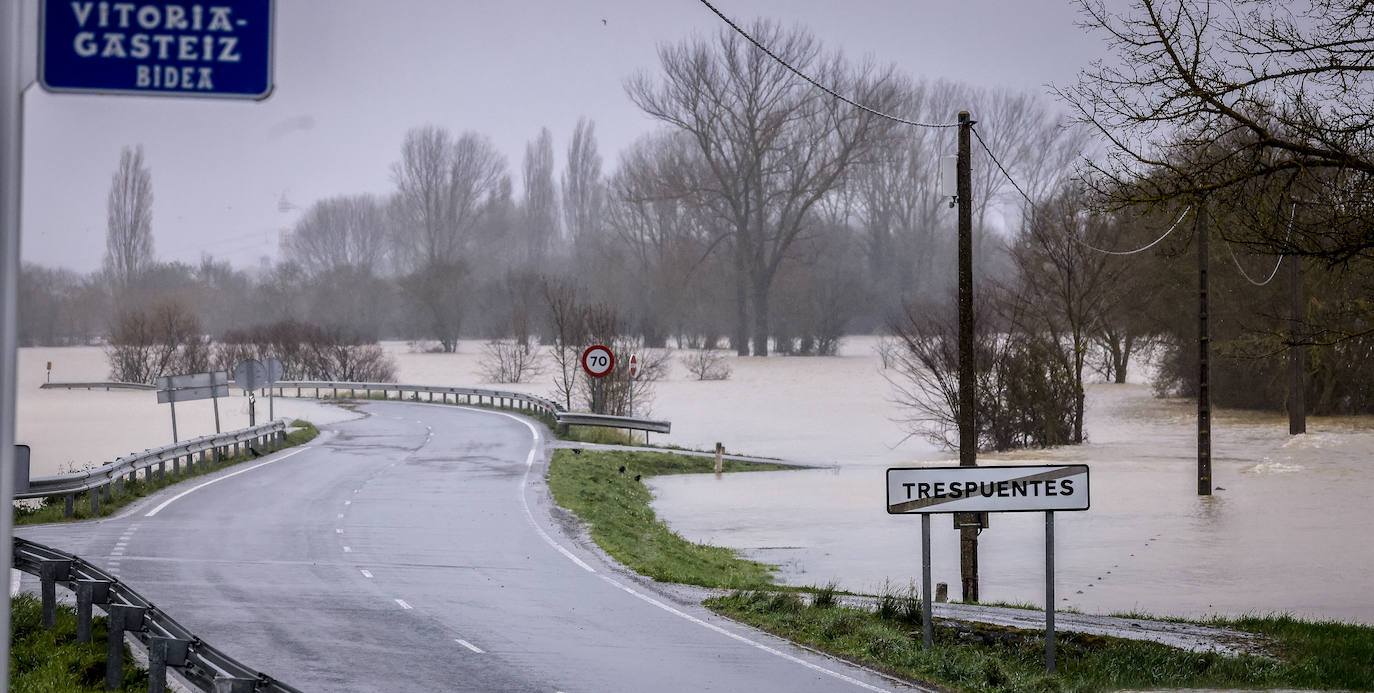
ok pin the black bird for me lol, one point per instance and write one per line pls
(622, 469)
(637, 477)
(577, 451)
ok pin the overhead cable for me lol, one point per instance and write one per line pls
(1276, 264)
(816, 84)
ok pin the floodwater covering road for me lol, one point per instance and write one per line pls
(414, 549)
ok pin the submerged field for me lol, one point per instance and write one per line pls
(1276, 536)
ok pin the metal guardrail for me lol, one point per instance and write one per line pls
(110, 477)
(479, 396)
(97, 386)
(169, 644)
(570, 418)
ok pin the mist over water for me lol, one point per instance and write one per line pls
(1285, 530)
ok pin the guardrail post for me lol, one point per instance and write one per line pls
(147, 474)
(118, 484)
(95, 501)
(162, 653)
(69, 506)
(49, 572)
(107, 491)
(161, 470)
(89, 592)
(229, 684)
(122, 617)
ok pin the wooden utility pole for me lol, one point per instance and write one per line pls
(968, 432)
(1204, 397)
(1297, 361)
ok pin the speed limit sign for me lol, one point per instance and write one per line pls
(598, 361)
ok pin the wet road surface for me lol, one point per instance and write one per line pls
(416, 549)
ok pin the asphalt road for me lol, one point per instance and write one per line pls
(416, 549)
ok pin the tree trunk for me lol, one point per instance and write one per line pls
(761, 318)
(741, 339)
(1078, 392)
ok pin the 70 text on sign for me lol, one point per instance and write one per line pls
(217, 49)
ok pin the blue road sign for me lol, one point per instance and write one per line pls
(220, 48)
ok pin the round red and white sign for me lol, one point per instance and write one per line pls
(598, 361)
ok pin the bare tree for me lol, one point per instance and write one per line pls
(1062, 289)
(773, 146)
(1209, 97)
(568, 328)
(166, 339)
(541, 199)
(339, 232)
(583, 190)
(442, 185)
(129, 220)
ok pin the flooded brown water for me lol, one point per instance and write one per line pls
(1288, 529)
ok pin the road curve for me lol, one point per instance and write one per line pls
(417, 549)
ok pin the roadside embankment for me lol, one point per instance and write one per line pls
(977, 648)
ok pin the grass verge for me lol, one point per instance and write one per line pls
(51, 508)
(1312, 655)
(51, 661)
(606, 490)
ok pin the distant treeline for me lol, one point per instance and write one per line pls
(763, 217)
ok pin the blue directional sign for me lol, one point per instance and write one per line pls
(220, 48)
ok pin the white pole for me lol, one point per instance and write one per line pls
(14, 66)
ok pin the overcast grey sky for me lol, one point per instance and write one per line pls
(353, 75)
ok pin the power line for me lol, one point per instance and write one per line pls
(1011, 180)
(1272, 274)
(1138, 250)
(1000, 167)
(816, 84)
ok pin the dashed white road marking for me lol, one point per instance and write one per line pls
(404, 605)
(340, 516)
(193, 489)
(347, 550)
(349, 502)
(468, 645)
(365, 573)
(338, 530)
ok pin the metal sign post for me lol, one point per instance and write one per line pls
(16, 51)
(1049, 591)
(931, 490)
(274, 373)
(184, 388)
(249, 374)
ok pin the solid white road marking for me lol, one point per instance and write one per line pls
(468, 645)
(741, 638)
(365, 573)
(15, 577)
(529, 464)
(404, 605)
(189, 491)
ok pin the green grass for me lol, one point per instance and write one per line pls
(1322, 655)
(51, 661)
(51, 508)
(616, 508)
